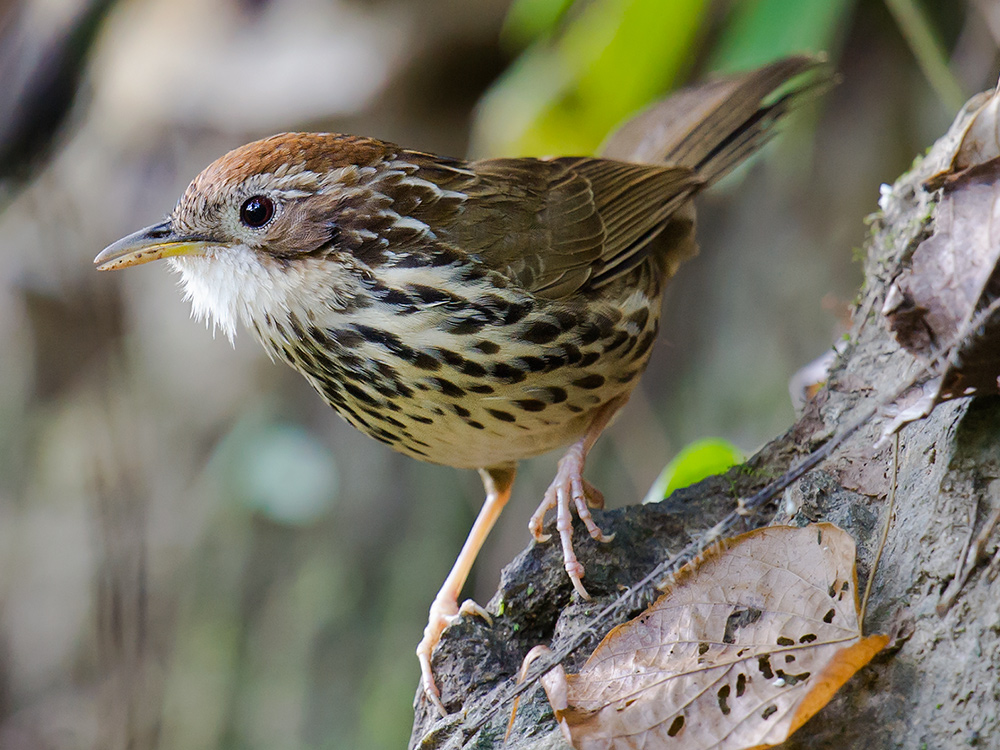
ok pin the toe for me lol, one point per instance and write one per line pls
(443, 612)
(575, 573)
(595, 498)
(430, 688)
(588, 520)
(470, 609)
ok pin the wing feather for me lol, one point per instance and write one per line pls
(555, 226)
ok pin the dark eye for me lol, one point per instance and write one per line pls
(256, 211)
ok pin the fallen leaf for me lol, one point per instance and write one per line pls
(747, 643)
(954, 275)
(975, 137)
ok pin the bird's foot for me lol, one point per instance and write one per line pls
(443, 612)
(570, 490)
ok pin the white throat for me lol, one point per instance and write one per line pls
(230, 284)
(223, 286)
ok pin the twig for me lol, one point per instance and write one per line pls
(885, 533)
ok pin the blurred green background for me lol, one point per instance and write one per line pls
(195, 552)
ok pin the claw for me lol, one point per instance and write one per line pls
(564, 525)
(442, 613)
(470, 609)
(537, 520)
(570, 490)
(583, 511)
(567, 491)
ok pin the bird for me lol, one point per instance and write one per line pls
(469, 313)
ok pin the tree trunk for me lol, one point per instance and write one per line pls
(935, 686)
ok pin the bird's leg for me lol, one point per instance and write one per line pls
(570, 490)
(444, 609)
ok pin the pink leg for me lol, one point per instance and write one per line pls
(444, 608)
(570, 490)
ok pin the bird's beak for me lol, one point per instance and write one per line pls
(151, 243)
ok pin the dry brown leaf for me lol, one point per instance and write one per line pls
(952, 278)
(954, 275)
(746, 644)
(977, 141)
(981, 141)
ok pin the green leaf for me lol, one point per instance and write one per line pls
(759, 31)
(562, 96)
(696, 461)
(529, 20)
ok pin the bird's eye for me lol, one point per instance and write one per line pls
(256, 211)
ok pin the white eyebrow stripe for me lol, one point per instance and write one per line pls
(436, 190)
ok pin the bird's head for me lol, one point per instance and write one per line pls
(279, 196)
(258, 227)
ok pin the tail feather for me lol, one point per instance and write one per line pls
(710, 128)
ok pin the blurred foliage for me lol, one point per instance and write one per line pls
(694, 462)
(196, 552)
(279, 470)
(566, 92)
(928, 50)
(592, 65)
(41, 67)
(528, 20)
(758, 31)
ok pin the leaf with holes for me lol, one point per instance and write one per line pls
(747, 643)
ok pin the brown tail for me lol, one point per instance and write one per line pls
(712, 127)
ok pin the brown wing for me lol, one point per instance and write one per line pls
(714, 126)
(562, 225)
(636, 203)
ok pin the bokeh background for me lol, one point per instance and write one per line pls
(195, 552)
